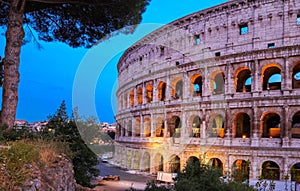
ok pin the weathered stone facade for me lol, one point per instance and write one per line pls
(222, 85)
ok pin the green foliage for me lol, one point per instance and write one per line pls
(201, 177)
(78, 23)
(65, 131)
(14, 164)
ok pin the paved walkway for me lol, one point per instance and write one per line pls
(127, 179)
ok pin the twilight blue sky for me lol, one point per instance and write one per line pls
(85, 77)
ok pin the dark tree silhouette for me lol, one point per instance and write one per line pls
(74, 22)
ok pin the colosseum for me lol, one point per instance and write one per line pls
(221, 85)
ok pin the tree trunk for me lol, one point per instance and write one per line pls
(14, 39)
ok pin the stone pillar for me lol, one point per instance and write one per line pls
(255, 134)
(155, 91)
(287, 78)
(144, 95)
(186, 87)
(165, 125)
(229, 80)
(206, 85)
(168, 89)
(152, 125)
(256, 76)
(184, 127)
(286, 127)
(141, 126)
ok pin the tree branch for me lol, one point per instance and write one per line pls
(4, 2)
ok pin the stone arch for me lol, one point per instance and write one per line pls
(146, 162)
(270, 170)
(131, 98)
(137, 160)
(147, 127)
(158, 163)
(193, 160)
(161, 91)
(243, 80)
(216, 163)
(149, 93)
(241, 125)
(241, 170)
(159, 127)
(296, 76)
(177, 88)
(174, 164)
(137, 127)
(195, 126)
(296, 125)
(270, 125)
(295, 172)
(196, 85)
(174, 126)
(129, 159)
(217, 82)
(216, 126)
(270, 79)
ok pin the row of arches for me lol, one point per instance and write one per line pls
(271, 79)
(241, 126)
(240, 169)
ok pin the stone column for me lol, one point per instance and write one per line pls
(155, 91)
(255, 134)
(152, 125)
(287, 78)
(256, 76)
(168, 89)
(141, 126)
(186, 86)
(184, 126)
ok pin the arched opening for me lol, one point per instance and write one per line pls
(137, 127)
(146, 162)
(129, 128)
(217, 127)
(149, 93)
(140, 95)
(158, 163)
(129, 159)
(174, 125)
(243, 81)
(296, 76)
(272, 78)
(160, 126)
(131, 97)
(162, 91)
(295, 172)
(178, 89)
(197, 85)
(271, 126)
(196, 127)
(216, 163)
(147, 127)
(218, 83)
(240, 170)
(296, 125)
(242, 125)
(137, 160)
(270, 170)
(174, 164)
(193, 160)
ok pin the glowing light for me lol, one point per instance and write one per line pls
(244, 136)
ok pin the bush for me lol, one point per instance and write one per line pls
(14, 164)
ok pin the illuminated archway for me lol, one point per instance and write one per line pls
(158, 162)
(146, 162)
(174, 164)
(196, 82)
(271, 125)
(271, 77)
(296, 125)
(241, 125)
(240, 170)
(162, 91)
(270, 170)
(243, 80)
(196, 126)
(218, 83)
(296, 76)
(147, 127)
(140, 95)
(217, 126)
(137, 127)
(160, 126)
(149, 93)
(131, 97)
(216, 163)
